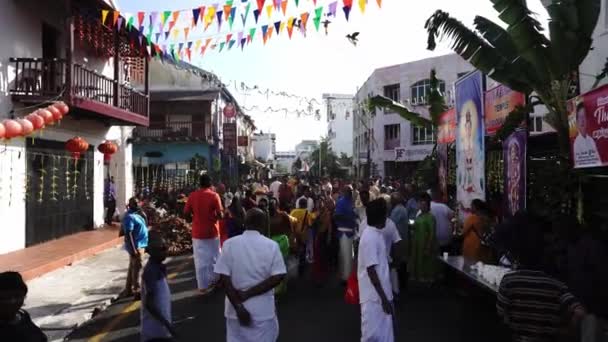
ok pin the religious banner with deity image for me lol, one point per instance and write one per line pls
(470, 156)
(588, 125)
(514, 155)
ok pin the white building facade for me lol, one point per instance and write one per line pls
(264, 147)
(44, 193)
(340, 123)
(392, 144)
(305, 148)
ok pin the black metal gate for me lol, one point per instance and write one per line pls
(59, 191)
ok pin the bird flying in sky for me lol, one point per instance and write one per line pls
(326, 25)
(353, 38)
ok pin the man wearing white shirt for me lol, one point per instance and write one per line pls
(584, 151)
(391, 240)
(375, 291)
(250, 267)
(274, 188)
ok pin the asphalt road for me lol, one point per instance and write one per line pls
(307, 313)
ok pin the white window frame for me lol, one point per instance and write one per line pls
(423, 135)
(392, 133)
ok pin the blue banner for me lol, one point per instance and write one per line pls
(470, 149)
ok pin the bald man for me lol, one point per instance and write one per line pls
(250, 267)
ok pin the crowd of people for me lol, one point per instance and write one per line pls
(250, 241)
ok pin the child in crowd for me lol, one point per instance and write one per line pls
(15, 323)
(156, 296)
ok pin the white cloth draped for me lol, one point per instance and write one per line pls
(206, 252)
(258, 331)
(376, 325)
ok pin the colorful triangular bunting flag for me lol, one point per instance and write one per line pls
(228, 37)
(227, 9)
(104, 15)
(251, 33)
(333, 7)
(346, 12)
(219, 15)
(379, 3)
(231, 44)
(261, 4)
(290, 26)
(284, 6)
(186, 31)
(269, 11)
(244, 16)
(362, 4)
(304, 16)
(164, 17)
(256, 15)
(243, 41)
(196, 12)
(232, 15)
(140, 18)
(277, 26)
(116, 16)
(264, 31)
(222, 46)
(317, 21)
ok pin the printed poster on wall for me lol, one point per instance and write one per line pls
(514, 150)
(499, 102)
(442, 171)
(470, 157)
(230, 143)
(588, 124)
(447, 127)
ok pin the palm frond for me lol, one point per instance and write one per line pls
(497, 36)
(473, 48)
(385, 102)
(437, 104)
(571, 27)
(526, 34)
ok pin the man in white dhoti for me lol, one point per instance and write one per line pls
(375, 291)
(250, 267)
(205, 206)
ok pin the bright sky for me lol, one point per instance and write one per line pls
(315, 64)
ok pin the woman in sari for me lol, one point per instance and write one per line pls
(279, 230)
(422, 263)
(475, 226)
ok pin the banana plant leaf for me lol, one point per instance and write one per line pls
(385, 102)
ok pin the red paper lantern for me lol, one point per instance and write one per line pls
(12, 128)
(63, 108)
(46, 115)
(2, 130)
(26, 127)
(77, 146)
(57, 115)
(108, 148)
(36, 120)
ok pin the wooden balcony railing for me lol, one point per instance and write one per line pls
(174, 129)
(46, 78)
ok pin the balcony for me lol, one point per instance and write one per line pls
(184, 131)
(90, 93)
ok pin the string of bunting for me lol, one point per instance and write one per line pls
(166, 39)
(245, 89)
(315, 112)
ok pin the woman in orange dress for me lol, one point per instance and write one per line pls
(475, 226)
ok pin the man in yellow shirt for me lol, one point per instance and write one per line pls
(304, 235)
